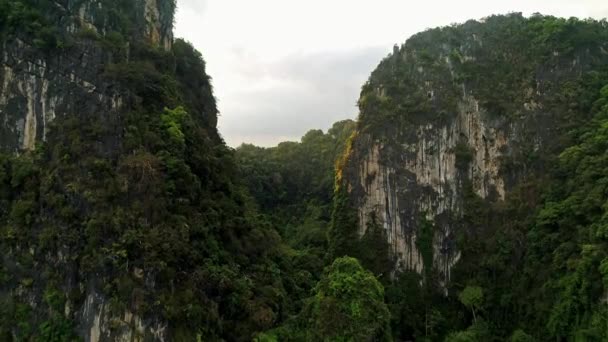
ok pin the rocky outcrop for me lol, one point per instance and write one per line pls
(37, 89)
(432, 128)
(426, 183)
(39, 85)
(100, 322)
(151, 20)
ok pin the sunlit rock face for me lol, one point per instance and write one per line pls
(425, 183)
(452, 112)
(38, 85)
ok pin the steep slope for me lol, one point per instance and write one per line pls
(53, 54)
(467, 110)
(121, 216)
(465, 153)
(566, 265)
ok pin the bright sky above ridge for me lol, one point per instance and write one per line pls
(283, 67)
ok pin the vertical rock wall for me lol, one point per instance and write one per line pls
(430, 128)
(425, 183)
(38, 86)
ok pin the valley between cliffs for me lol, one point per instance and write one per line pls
(467, 202)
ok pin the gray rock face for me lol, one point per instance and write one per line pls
(38, 86)
(425, 183)
(37, 89)
(99, 322)
(427, 132)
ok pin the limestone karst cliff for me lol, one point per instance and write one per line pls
(52, 60)
(462, 113)
(55, 57)
(478, 161)
(120, 219)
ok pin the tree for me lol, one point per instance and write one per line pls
(343, 231)
(375, 250)
(472, 297)
(478, 332)
(521, 336)
(349, 305)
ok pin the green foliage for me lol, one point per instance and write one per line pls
(521, 336)
(464, 155)
(21, 315)
(266, 337)
(570, 232)
(495, 61)
(292, 184)
(424, 243)
(172, 122)
(478, 332)
(417, 306)
(147, 207)
(344, 228)
(112, 41)
(146, 80)
(177, 227)
(292, 176)
(54, 299)
(194, 83)
(374, 250)
(348, 305)
(57, 330)
(542, 257)
(472, 297)
(540, 254)
(29, 17)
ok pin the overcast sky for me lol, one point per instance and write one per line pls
(283, 67)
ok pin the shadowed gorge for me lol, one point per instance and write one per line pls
(467, 202)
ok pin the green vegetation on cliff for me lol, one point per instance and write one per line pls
(497, 61)
(532, 265)
(150, 213)
(142, 211)
(293, 183)
(347, 305)
(27, 16)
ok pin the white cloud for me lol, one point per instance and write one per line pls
(299, 92)
(282, 67)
